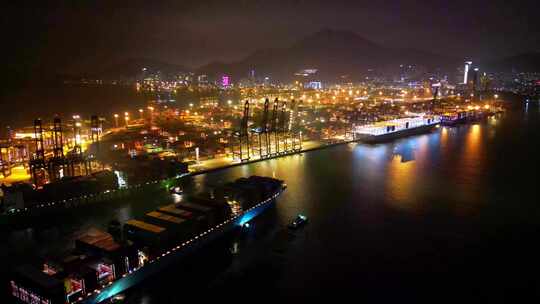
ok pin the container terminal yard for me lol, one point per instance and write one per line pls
(64, 160)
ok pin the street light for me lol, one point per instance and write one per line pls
(116, 120)
(77, 133)
(141, 112)
(151, 115)
(126, 118)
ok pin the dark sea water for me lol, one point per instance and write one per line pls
(452, 215)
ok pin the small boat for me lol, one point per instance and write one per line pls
(298, 222)
(119, 298)
(176, 190)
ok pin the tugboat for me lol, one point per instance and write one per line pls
(298, 222)
(176, 190)
(117, 299)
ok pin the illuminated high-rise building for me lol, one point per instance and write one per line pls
(225, 81)
(466, 72)
(316, 85)
(202, 79)
(475, 79)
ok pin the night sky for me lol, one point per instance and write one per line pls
(84, 36)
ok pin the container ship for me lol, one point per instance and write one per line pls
(104, 264)
(458, 117)
(396, 128)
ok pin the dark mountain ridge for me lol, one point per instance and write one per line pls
(333, 53)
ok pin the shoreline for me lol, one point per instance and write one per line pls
(95, 198)
(111, 194)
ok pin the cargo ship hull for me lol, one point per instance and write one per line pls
(453, 121)
(463, 117)
(372, 139)
(177, 253)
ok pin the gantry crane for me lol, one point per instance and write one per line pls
(262, 132)
(57, 164)
(5, 164)
(294, 129)
(283, 126)
(242, 137)
(274, 126)
(37, 161)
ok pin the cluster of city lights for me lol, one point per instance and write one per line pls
(127, 118)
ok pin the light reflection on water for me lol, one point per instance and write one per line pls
(471, 165)
(444, 138)
(401, 181)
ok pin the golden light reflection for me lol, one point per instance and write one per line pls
(444, 138)
(400, 183)
(469, 169)
(18, 174)
(472, 146)
(293, 170)
(422, 153)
